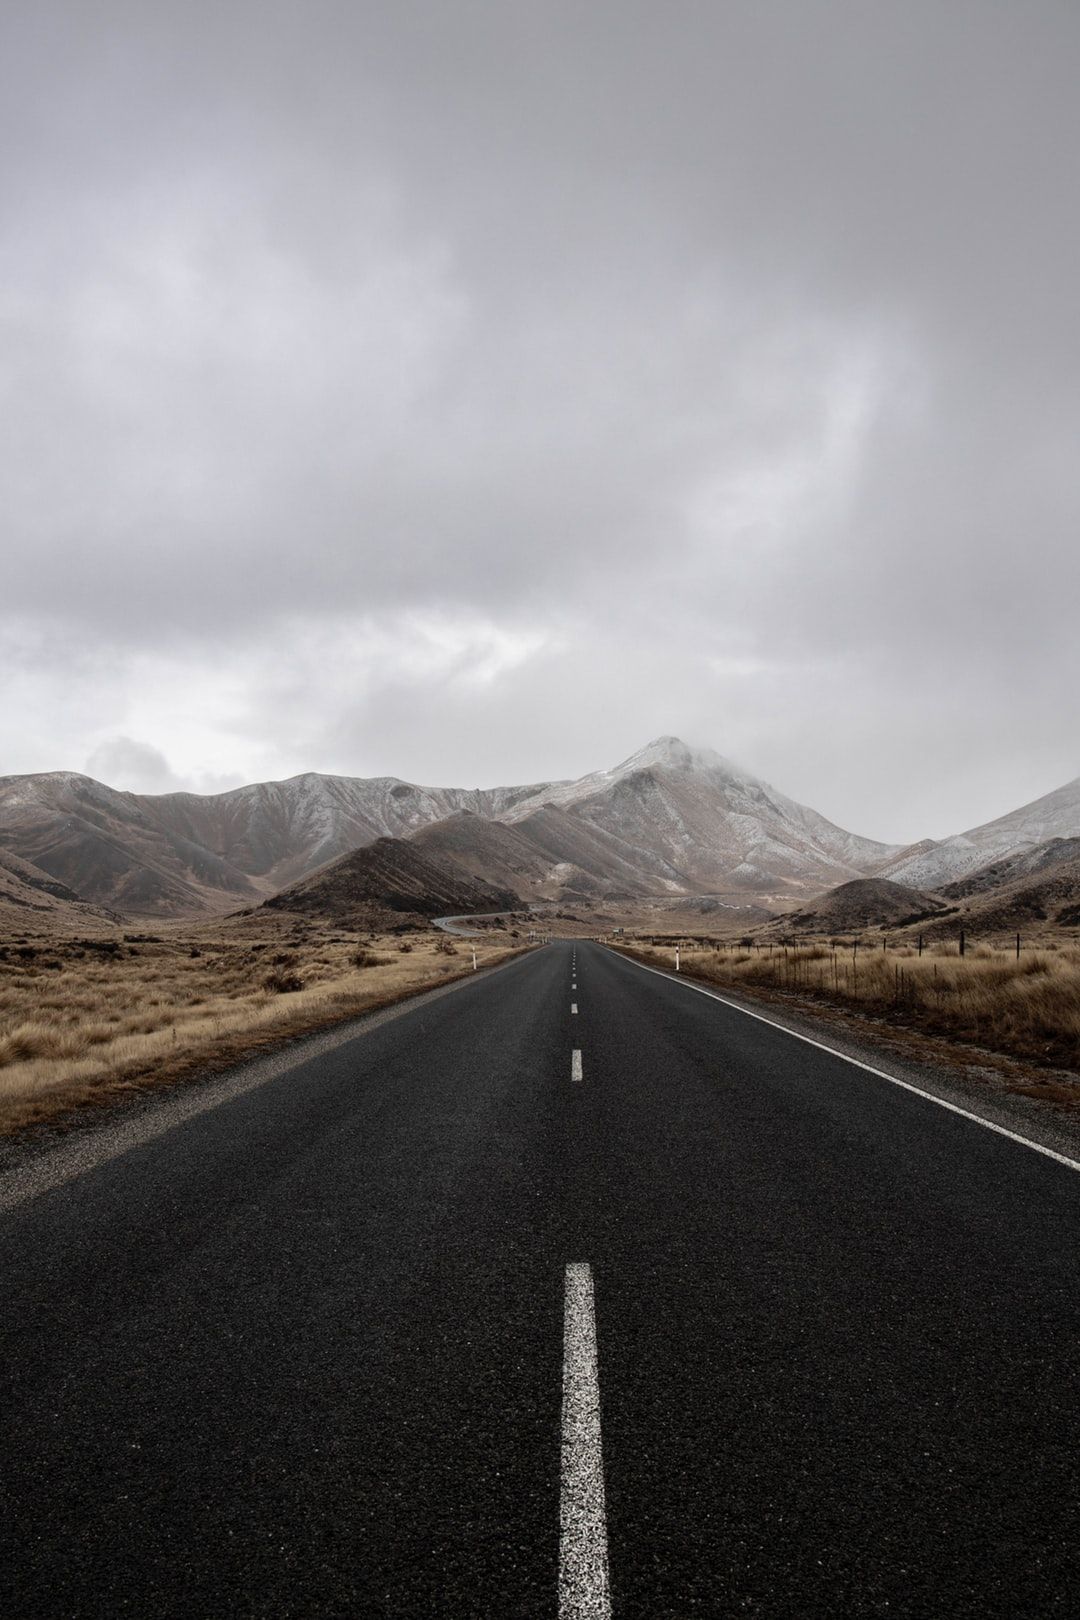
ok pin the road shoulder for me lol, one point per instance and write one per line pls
(47, 1156)
(965, 1076)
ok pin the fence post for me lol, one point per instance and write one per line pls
(962, 942)
(920, 944)
(1018, 947)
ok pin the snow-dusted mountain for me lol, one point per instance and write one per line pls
(175, 854)
(696, 822)
(1055, 815)
(278, 831)
(670, 819)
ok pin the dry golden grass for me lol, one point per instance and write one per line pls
(1027, 1008)
(84, 1021)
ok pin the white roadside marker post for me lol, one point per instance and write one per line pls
(676, 959)
(474, 958)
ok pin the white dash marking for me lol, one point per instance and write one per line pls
(573, 1006)
(575, 1065)
(584, 1592)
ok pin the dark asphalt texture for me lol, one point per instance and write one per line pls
(302, 1355)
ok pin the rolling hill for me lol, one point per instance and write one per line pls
(859, 904)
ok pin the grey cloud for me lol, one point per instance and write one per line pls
(139, 767)
(722, 361)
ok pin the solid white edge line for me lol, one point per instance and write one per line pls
(584, 1592)
(856, 1063)
(575, 1064)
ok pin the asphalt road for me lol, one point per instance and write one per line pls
(303, 1354)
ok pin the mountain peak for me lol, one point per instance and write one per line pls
(671, 753)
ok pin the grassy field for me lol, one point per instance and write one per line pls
(84, 1021)
(1026, 1007)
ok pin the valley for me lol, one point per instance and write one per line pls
(135, 930)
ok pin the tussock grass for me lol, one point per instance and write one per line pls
(1027, 1007)
(79, 1025)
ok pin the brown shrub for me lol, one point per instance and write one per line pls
(282, 982)
(1029, 1008)
(109, 1021)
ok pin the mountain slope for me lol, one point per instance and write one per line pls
(275, 832)
(690, 821)
(489, 851)
(182, 854)
(30, 900)
(389, 876)
(669, 820)
(1024, 866)
(547, 855)
(1055, 815)
(111, 850)
(1026, 892)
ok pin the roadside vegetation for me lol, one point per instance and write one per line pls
(84, 1021)
(1025, 1007)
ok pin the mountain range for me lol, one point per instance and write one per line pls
(668, 821)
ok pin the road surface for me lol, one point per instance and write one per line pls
(505, 1309)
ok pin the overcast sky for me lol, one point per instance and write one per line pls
(471, 392)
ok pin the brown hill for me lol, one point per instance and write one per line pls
(548, 855)
(390, 877)
(31, 900)
(589, 859)
(485, 850)
(862, 903)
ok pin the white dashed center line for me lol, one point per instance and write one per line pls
(583, 1555)
(575, 1065)
(573, 1006)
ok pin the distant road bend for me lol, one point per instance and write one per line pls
(461, 925)
(568, 1293)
